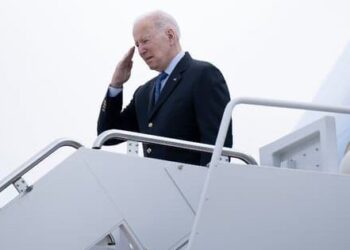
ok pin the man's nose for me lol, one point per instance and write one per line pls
(142, 50)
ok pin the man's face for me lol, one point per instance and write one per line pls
(154, 46)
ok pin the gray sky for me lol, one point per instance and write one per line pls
(57, 58)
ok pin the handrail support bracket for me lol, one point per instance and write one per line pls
(22, 186)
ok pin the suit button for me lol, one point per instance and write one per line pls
(150, 125)
(149, 150)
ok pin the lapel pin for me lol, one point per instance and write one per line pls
(175, 79)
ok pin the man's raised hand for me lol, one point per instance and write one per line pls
(123, 70)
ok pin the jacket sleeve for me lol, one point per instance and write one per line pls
(211, 96)
(113, 117)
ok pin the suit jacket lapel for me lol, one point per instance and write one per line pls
(173, 80)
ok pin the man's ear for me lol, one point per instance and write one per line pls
(171, 34)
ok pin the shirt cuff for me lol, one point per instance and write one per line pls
(113, 92)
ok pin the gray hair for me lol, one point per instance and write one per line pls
(162, 21)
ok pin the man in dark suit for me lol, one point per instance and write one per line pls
(185, 101)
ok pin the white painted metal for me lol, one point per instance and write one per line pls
(313, 147)
(132, 147)
(93, 193)
(22, 186)
(188, 180)
(269, 208)
(160, 140)
(335, 90)
(215, 160)
(67, 209)
(36, 159)
(153, 204)
(264, 102)
(344, 167)
(158, 214)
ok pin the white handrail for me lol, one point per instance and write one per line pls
(127, 135)
(264, 102)
(223, 131)
(36, 159)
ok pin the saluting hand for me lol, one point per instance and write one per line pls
(123, 70)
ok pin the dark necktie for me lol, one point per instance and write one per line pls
(158, 87)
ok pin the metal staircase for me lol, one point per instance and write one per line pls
(98, 200)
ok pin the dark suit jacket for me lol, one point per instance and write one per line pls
(190, 107)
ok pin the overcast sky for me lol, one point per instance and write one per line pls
(57, 58)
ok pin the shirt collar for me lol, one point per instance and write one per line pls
(174, 62)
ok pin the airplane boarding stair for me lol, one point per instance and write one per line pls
(99, 200)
